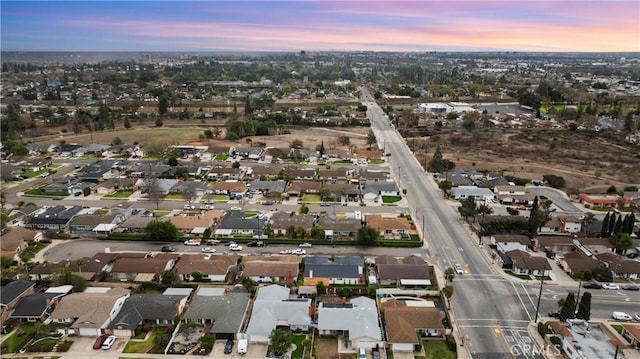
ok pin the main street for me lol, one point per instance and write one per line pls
(492, 313)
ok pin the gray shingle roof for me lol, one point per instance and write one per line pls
(141, 307)
(34, 305)
(341, 267)
(13, 290)
(227, 311)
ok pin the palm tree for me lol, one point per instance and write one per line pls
(587, 221)
(80, 262)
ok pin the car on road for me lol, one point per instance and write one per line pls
(612, 286)
(227, 244)
(325, 204)
(299, 252)
(285, 251)
(228, 346)
(305, 245)
(621, 316)
(189, 206)
(208, 250)
(235, 247)
(458, 269)
(592, 285)
(630, 287)
(191, 242)
(235, 208)
(99, 341)
(211, 242)
(636, 316)
(267, 203)
(555, 314)
(44, 174)
(108, 343)
(206, 207)
(255, 244)
(168, 249)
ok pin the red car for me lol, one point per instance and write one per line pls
(99, 340)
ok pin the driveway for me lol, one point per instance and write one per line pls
(558, 198)
(254, 351)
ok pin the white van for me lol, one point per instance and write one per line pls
(621, 316)
(108, 343)
(242, 346)
(362, 353)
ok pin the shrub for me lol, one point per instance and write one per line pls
(543, 329)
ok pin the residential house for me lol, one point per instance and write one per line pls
(86, 223)
(145, 269)
(621, 267)
(555, 244)
(339, 228)
(137, 223)
(92, 149)
(276, 153)
(219, 173)
(631, 199)
(17, 216)
(264, 172)
(232, 189)
(342, 191)
(336, 270)
(198, 224)
(294, 173)
(407, 322)
(333, 175)
(190, 189)
(252, 153)
(68, 149)
(274, 269)
(12, 292)
(389, 227)
(55, 218)
(364, 156)
(138, 309)
(99, 171)
(510, 190)
(235, 223)
(372, 191)
(269, 189)
(85, 267)
(372, 176)
(35, 164)
(156, 187)
(578, 262)
(11, 173)
(338, 153)
(562, 224)
(149, 170)
(480, 194)
(524, 263)
(274, 307)
(60, 186)
(197, 170)
(221, 312)
(508, 242)
(123, 210)
(15, 240)
(407, 272)
(300, 188)
(514, 195)
(214, 268)
(631, 332)
(282, 221)
(114, 184)
(35, 307)
(357, 320)
(91, 311)
(586, 340)
(596, 200)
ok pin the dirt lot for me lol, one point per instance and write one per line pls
(584, 161)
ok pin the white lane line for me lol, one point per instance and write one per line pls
(521, 301)
(527, 292)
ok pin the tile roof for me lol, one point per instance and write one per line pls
(402, 321)
(91, 310)
(382, 223)
(216, 264)
(525, 260)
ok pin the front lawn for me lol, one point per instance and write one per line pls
(161, 213)
(221, 157)
(297, 340)
(391, 199)
(36, 173)
(249, 214)
(119, 194)
(521, 276)
(38, 192)
(174, 197)
(437, 349)
(311, 198)
(376, 161)
(140, 346)
(17, 340)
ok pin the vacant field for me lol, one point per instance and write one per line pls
(585, 161)
(327, 348)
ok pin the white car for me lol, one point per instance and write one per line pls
(458, 269)
(208, 250)
(305, 245)
(235, 208)
(285, 251)
(610, 286)
(187, 207)
(191, 242)
(235, 247)
(299, 252)
(622, 316)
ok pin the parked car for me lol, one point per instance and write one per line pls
(630, 287)
(285, 251)
(267, 203)
(227, 244)
(612, 286)
(188, 206)
(325, 204)
(255, 244)
(236, 208)
(305, 245)
(228, 346)
(191, 242)
(168, 249)
(235, 247)
(211, 242)
(99, 341)
(555, 314)
(299, 252)
(458, 269)
(622, 316)
(592, 285)
(208, 250)
(636, 316)
(108, 343)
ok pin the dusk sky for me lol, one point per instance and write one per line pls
(516, 25)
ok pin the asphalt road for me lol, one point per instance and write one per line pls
(491, 312)
(558, 198)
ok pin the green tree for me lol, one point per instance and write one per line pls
(235, 164)
(468, 207)
(317, 233)
(66, 277)
(367, 236)
(568, 308)
(160, 337)
(127, 123)
(371, 138)
(320, 289)
(116, 141)
(304, 209)
(612, 190)
(449, 274)
(447, 291)
(163, 105)
(584, 308)
(622, 242)
(172, 161)
(168, 277)
(612, 224)
(587, 221)
(538, 216)
(280, 341)
(208, 133)
(321, 149)
(197, 275)
(161, 231)
(604, 231)
(445, 185)
(617, 229)
(554, 181)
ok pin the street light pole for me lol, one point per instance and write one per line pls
(539, 296)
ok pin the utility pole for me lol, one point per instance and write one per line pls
(540, 295)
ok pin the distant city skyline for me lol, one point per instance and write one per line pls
(517, 25)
